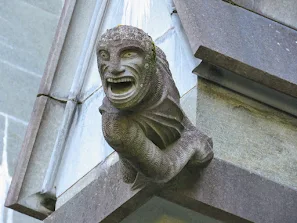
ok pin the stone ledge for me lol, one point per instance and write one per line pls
(235, 75)
(233, 194)
(243, 36)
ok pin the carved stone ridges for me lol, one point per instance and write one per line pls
(141, 113)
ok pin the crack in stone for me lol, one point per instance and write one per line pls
(63, 100)
(54, 98)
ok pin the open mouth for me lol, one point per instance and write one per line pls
(120, 86)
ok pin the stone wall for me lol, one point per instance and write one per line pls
(284, 12)
(27, 29)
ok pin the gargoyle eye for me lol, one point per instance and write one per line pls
(129, 54)
(104, 55)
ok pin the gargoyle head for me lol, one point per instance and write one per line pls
(127, 62)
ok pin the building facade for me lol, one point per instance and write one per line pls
(234, 64)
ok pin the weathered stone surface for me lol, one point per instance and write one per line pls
(141, 115)
(72, 49)
(86, 139)
(2, 129)
(24, 45)
(44, 143)
(37, 147)
(245, 132)
(256, 138)
(100, 199)
(27, 29)
(233, 74)
(26, 40)
(159, 210)
(240, 192)
(229, 189)
(18, 91)
(11, 137)
(15, 137)
(282, 11)
(244, 36)
(87, 179)
(168, 35)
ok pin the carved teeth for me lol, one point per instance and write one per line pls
(119, 80)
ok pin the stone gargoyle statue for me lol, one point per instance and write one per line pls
(141, 115)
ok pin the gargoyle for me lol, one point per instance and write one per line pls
(141, 115)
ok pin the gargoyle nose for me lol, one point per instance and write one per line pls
(117, 70)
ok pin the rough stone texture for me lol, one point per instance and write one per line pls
(100, 199)
(23, 194)
(87, 179)
(141, 115)
(2, 129)
(49, 126)
(85, 146)
(229, 189)
(11, 137)
(239, 192)
(282, 11)
(245, 132)
(247, 87)
(158, 210)
(18, 91)
(70, 55)
(15, 137)
(168, 35)
(24, 46)
(244, 36)
(27, 29)
(256, 138)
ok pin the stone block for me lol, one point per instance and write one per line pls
(18, 91)
(2, 132)
(86, 179)
(243, 36)
(24, 194)
(43, 146)
(85, 146)
(282, 11)
(11, 137)
(225, 75)
(247, 133)
(15, 137)
(27, 31)
(159, 210)
(72, 49)
(222, 191)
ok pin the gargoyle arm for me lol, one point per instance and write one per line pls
(129, 140)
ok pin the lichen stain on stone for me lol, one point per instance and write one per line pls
(248, 133)
(243, 103)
